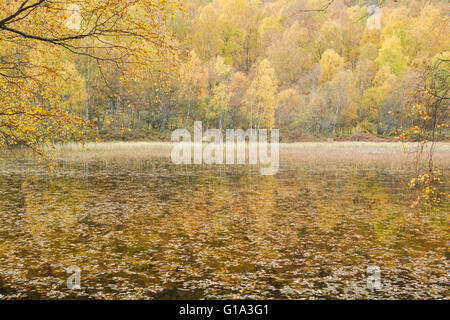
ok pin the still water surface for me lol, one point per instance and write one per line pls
(149, 229)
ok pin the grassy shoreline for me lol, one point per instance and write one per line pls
(367, 152)
(121, 145)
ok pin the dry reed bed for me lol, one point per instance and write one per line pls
(366, 152)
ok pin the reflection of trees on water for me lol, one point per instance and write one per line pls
(137, 227)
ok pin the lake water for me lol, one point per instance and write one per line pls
(147, 229)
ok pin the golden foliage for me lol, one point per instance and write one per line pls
(37, 39)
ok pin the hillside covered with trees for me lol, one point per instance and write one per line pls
(310, 68)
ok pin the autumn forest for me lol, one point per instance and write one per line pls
(95, 204)
(305, 68)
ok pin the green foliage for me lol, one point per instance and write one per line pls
(391, 55)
